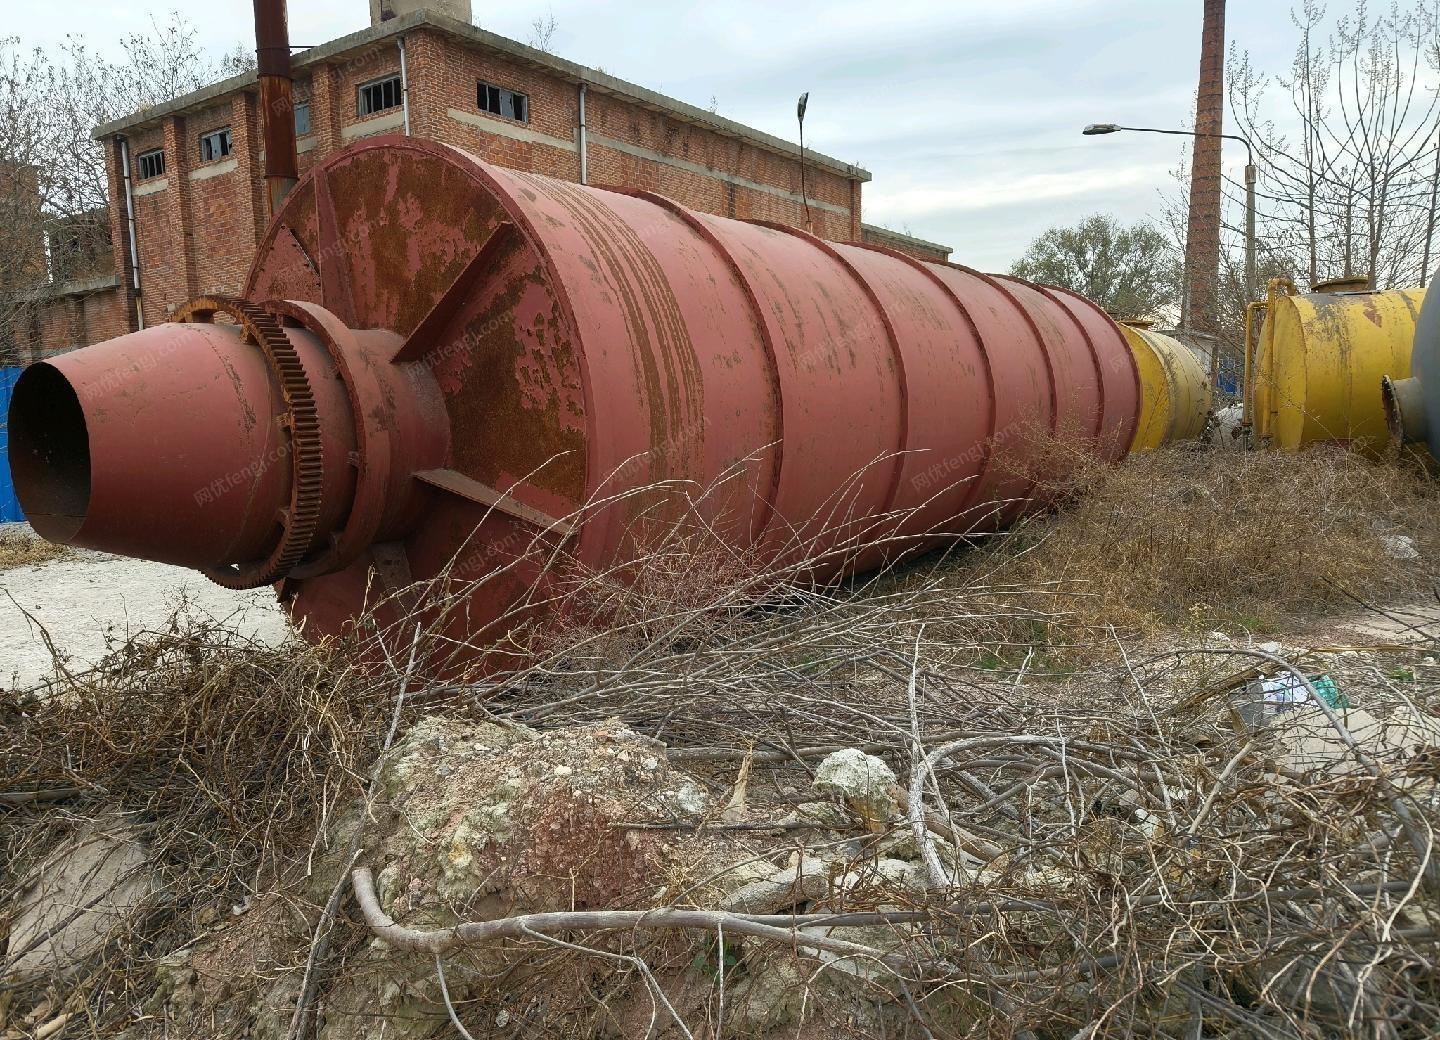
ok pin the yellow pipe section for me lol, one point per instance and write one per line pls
(1174, 391)
(1321, 357)
(1247, 419)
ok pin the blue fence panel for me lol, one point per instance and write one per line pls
(9, 504)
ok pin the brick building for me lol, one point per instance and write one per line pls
(58, 287)
(186, 177)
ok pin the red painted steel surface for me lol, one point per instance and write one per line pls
(509, 354)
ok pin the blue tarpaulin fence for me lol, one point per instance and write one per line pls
(9, 504)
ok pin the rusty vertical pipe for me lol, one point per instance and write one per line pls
(1202, 235)
(277, 107)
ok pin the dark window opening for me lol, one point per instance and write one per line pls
(150, 164)
(302, 119)
(215, 145)
(378, 96)
(507, 104)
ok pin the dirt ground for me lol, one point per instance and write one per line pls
(86, 600)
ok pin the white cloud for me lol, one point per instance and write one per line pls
(918, 201)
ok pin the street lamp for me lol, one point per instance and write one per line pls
(1098, 129)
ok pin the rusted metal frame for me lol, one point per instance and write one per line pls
(988, 449)
(462, 486)
(300, 519)
(768, 337)
(391, 565)
(453, 299)
(335, 275)
(893, 341)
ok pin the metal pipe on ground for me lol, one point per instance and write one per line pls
(479, 361)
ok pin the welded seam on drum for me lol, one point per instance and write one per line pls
(767, 339)
(1029, 320)
(893, 492)
(1044, 290)
(988, 445)
(1135, 380)
(644, 291)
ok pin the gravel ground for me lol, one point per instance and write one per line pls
(85, 598)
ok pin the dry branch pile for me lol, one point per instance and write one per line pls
(859, 810)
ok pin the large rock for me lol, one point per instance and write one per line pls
(866, 783)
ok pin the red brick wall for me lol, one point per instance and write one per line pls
(64, 322)
(221, 197)
(443, 76)
(199, 233)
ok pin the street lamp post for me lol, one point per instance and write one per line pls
(1096, 129)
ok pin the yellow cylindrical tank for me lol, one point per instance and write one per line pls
(1319, 362)
(1174, 391)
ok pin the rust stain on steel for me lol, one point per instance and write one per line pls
(513, 428)
(662, 351)
(758, 410)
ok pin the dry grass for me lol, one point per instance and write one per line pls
(1182, 541)
(220, 755)
(19, 549)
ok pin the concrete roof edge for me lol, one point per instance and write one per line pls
(884, 232)
(185, 102)
(73, 287)
(575, 72)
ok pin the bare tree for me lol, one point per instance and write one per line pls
(542, 32)
(53, 184)
(1347, 144)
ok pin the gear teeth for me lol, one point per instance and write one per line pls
(303, 424)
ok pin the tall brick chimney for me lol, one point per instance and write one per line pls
(384, 10)
(1202, 233)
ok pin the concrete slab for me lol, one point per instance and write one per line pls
(92, 885)
(86, 598)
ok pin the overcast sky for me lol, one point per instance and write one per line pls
(968, 114)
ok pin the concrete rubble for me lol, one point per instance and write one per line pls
(477, 821)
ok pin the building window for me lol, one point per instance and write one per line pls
(378, 96)
(151, 163)
(215, 145)
(302, 119)
(507, 104)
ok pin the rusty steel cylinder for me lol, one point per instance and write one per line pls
(438, 364)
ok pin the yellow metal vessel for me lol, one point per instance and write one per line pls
(1174, 392)
(1314, 373)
